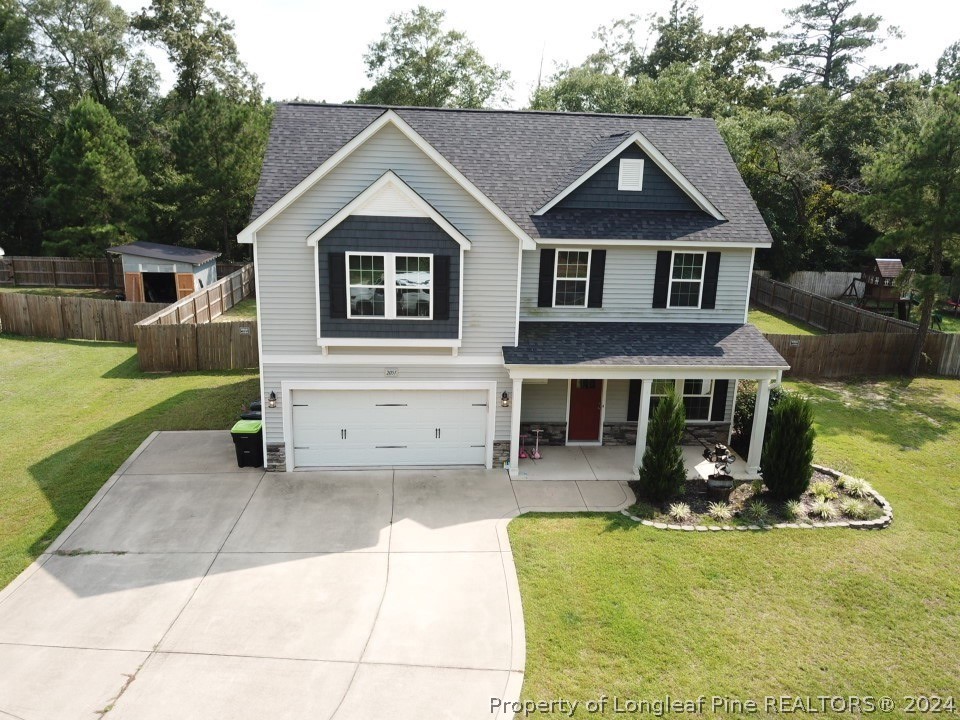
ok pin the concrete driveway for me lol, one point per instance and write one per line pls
(189, 588)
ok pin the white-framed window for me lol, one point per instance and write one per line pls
(697, 396)
(571, 278)
(389, 286)
(686, 279)
(631, 175)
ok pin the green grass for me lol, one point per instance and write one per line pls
(616, 608)
(951, 322)
(72, 412)
(243, 310)
(94, 293)
(768, 321)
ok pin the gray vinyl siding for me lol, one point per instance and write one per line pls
(274, 374)
(548, 402)
(628, 289)
(381, 234)
(600, 191)
(544, 402)
(286, 274)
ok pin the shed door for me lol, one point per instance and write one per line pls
(342, 428)
(133, 286)
(184, 285)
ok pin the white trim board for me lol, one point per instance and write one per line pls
(247, 235)
(389, 182)
(386, 360)
(658, 159)
(287, 387)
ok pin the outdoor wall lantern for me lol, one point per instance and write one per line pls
(272, 400)
(505, 399)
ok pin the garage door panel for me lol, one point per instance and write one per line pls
(340, 428)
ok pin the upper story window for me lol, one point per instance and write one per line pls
(571, 278)
(389, 286)
(686, 279)
(631, 174)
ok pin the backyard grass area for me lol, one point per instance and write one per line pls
(768, 321)
(243, 310)
(615, 608)
(95, 293)
(72, 412)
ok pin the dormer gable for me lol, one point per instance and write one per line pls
(627, 172)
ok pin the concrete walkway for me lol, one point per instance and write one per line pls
(190, 588)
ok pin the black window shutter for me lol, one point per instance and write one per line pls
(441, 287)
(661, 281)
(719, 399)
(633, 401)
(545, 291)
(598, 260)
(710, 276)
(337, 272)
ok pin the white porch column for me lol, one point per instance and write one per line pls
(643, 420)
(515, 427)
(760, 408)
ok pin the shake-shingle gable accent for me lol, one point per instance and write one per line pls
(519, 161)
(390, 181)
(657, 157)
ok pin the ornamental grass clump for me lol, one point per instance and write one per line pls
(662, 472)
(855, 487)
(853, 508)
(823, 490)
(719, 511)
(795, 510)
(757, 511)
(823, 509)
(785, 463)
(680, 512)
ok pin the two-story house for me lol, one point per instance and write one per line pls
(433, 283)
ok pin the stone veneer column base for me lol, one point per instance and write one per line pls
(276, 457)
(710, 434)
(501, 453)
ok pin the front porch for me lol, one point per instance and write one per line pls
(610, 462)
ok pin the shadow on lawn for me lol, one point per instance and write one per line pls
(70, 477)
(890, 410)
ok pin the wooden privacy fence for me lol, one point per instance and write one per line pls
(828, 283)
(213, 346)
(875, 353)
(821, 312)
(62, 272)
(72, 317)
(207, 304)
(183, 337)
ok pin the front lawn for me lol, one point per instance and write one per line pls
(72, 412)
(612, 607)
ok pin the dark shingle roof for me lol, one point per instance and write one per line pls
(645, 344)
(171, 253)
(521, 160)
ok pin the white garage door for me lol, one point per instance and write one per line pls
(344, 428)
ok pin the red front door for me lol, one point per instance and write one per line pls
(586, 398)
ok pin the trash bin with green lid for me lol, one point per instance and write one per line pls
(248, 442)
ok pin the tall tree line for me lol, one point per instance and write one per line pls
(92, 154)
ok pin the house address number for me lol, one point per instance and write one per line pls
(391, 372)
(244, 329)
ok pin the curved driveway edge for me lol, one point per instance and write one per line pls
(188, 587)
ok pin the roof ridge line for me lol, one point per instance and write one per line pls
(565, 113)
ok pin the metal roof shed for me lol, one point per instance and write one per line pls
(153, 272)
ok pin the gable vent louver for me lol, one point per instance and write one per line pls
(631, 175)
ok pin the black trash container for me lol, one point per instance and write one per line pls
(248, 442)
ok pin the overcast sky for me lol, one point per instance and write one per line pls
(314, 50)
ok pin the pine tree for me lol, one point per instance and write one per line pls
(94, 187)
(788, 451)
(662, 472)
